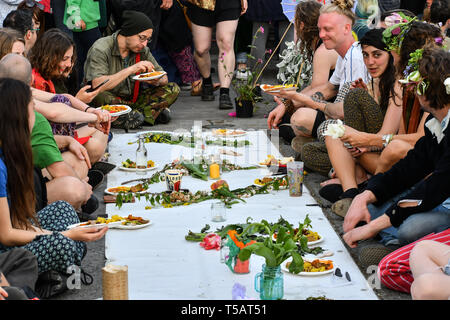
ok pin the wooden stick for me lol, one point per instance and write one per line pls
(299, 73)
(279, 43)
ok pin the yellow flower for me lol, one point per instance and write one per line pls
(148, 208)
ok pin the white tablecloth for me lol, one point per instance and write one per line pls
(163, 265)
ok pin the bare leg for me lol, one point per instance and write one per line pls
(303, 121)
(79, 166)
(343, 163)
(70, 189)
(202, 44)
(369, 161)
(395, 151)
(225, 32)
(96, 145)
(429, 281)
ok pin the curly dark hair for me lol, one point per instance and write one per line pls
(49, 50)
(440, 11)
(387, 81)
(419, 35)
(435, 68)
(19, 20)
(307, 12)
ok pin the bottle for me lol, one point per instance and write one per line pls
(141, 158)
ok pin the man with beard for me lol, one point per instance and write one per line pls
(118, 58)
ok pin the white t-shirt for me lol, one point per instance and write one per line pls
(351, 67)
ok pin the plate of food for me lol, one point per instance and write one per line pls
(276, 88)
(131, 223)
(228, 133)
(272, 161)
(116, 109)
(139, 188)
(311, 268)
(266, 180)
(129, 165)
(149, 75)
(112, 222)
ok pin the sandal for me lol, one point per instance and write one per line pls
(197, 87)
(51, 283)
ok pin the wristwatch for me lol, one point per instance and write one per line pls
(387, 138)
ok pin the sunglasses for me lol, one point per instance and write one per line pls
(32, 3)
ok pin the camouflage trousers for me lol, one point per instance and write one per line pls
(150, 102)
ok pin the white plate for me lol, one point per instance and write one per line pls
(227, 135)
(98, 226)
(124, 227)
(116, 114)
(116, 193)
(277, 90)
(303, 273)
(136, 77)
(134, 169)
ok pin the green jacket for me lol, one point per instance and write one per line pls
(86, 10)
(104, 59)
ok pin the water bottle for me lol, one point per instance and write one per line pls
(141, 158)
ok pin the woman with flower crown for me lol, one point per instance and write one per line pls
(416, 187)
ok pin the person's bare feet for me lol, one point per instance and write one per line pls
(330, 181)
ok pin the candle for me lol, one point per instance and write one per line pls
(214, 171)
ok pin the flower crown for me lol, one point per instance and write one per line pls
(413, 78)
(398, 26)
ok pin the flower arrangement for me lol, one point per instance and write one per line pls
(413, 79)
(398, 26)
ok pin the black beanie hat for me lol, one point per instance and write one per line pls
(134, 22)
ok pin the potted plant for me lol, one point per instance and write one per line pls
(269, 282)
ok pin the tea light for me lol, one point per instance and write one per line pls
(214, 171)
(218, 212)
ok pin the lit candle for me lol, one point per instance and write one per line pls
(214, 171)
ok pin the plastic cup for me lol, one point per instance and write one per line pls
(295, 178)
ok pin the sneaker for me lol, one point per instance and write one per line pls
(207, 92)
(185, 86)
(89, 207)
(96, 177)
(225, 102)
(164, 117)
(132, 120)
(371, 253)
(341, 207)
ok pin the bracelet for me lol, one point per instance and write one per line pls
(87, 108)
(387, 138)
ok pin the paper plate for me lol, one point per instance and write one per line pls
(134, 169)
(116, 193)
(116, 114)
(149, 75)
(266, 88)
(229, 133)
(132, 227)
(303, 273)
(98, 226)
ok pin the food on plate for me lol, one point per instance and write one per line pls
(150, 75)
(219, 184)
(134, 221)
(268, 87)
(271, 160)
(131, 164)
(137, 188)
(266, 180)
(101, 220)
(114, 109)
(316, 265)
(226, 132)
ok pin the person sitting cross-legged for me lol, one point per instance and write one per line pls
(118, 58)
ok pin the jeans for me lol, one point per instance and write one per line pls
(415, 226)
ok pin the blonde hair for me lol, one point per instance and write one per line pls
(342, 7)
(369, 9)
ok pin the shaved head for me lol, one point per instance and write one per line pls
(16, 67)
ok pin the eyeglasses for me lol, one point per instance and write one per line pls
(32, 3)
(36, 30)
(143, 38)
